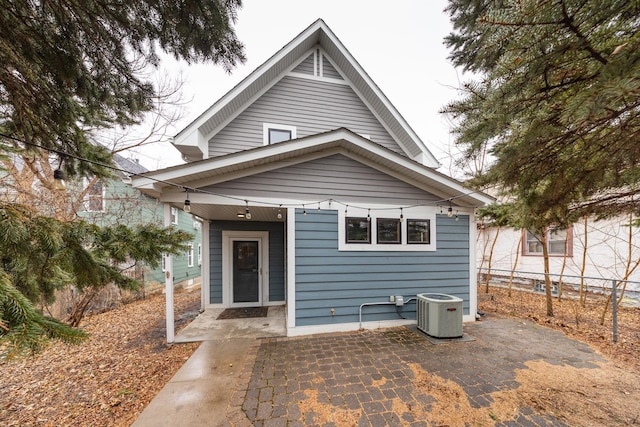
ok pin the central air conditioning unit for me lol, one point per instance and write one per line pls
(439, 315)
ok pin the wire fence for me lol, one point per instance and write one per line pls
(569, 286)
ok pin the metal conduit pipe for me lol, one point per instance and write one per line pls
(379, 303)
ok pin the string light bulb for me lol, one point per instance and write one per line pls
(450, 212)
(187, 204)
(304, 211)
(58, 179)
(401, 215)
(279, 214)
(369, 214)
(247, 213)
(457, 217)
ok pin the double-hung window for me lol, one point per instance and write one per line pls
(558, 242)
(174, 215)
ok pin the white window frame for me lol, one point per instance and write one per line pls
(190, 255)
(551, 232)
(268, 126)
(387, 212)
(89, 197)
(199, 253)
(174, 215)
(164, 262)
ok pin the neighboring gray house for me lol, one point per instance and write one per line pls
(316, 194)
(114, 201)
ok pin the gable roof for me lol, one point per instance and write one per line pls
(192, 141)
(270, 157)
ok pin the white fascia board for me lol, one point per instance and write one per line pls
(429, 159)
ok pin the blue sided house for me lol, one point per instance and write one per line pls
(317, 195)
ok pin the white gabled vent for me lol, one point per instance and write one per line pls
(439, 315)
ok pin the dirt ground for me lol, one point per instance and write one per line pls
(105, 381)
(109, 379)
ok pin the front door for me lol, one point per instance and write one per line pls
(246, 272)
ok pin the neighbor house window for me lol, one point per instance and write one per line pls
(199, 254)
(190, 255)
(274, 133)
(94, 200)
(389, 230)
(174, 215)
(558, 241)
(358, 230)
(418, 231)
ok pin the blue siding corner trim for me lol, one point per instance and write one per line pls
(327, 278)
(276, 256)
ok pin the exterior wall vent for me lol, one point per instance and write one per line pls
(439, 315)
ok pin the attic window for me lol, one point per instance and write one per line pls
(274, 133)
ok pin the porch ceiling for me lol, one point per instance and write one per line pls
(211, 212)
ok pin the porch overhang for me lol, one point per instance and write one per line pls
(171, 185)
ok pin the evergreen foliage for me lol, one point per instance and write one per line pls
(67, 69)
(557, 101)
(39, 255)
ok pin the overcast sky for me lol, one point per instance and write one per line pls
(398, 43)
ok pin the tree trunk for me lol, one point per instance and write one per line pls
(583, 297)
(493, 245)
(515, 263)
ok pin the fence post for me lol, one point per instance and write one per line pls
(614, 310)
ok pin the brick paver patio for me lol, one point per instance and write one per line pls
(396, 377)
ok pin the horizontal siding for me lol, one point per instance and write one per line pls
(336, 177)
(313, 106)
(306, 66)
(276, 256)
(328, 70)
(327, 278)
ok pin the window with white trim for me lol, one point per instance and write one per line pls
(358, 230)
(375, 229)
(199, 253)
(418, 231)
(274, 133)
(164, 262)
(389, 231)
(174, 215)
(190, 255)
(558, 241)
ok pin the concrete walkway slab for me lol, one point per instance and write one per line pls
(199, 393)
